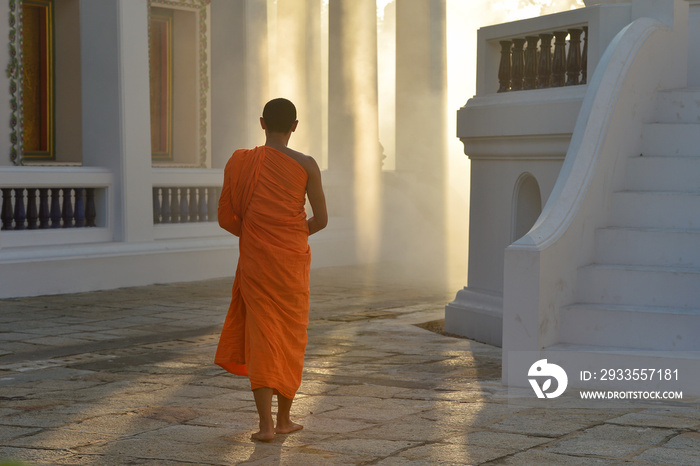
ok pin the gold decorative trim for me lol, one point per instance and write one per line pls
(47, 115)
(167, 22)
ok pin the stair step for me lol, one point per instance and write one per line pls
(668, 329)
(640, 301)
(663, 173)
(637, 246)
(655, 209)
(636, 285)
(594, 358)
(678, 106)
(671, 139)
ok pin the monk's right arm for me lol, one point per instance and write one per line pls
(225, 211)
(317, 199)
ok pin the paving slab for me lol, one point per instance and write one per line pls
(685, 457)
(452, 454)
(657, 420)
(127, 377)
(611, 441)
(541, 458)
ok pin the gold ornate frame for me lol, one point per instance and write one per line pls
(200, 7)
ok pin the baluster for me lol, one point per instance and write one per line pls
(6, 208)
(194, 205)
(517, 65)
(184, 206)
(20, 213)
(213, 204)
(530, 80)
(67, 208)
(79, 208)
(32, 215)
(559, 60)
(573, 62)
(156, 206)
(504, 67)
(90, 210)
(544, 69)
(203, 205)
(44, 211)
(165, 207)
(175, 205)
(584, 56)
(55, 208)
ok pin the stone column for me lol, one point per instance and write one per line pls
(353, 134)
(421, 87)
(257, 67)
(116, 113)
(296, 68)
(228, 84)
(238, 75)
(421, 129)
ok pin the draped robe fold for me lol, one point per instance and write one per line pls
(264, 334)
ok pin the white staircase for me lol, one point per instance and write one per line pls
(643, 290)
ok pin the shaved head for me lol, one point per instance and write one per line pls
(279, 115)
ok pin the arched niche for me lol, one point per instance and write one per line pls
(527, 205)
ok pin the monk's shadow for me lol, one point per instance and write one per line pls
(268, 453)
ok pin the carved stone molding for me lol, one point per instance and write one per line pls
(14, 73)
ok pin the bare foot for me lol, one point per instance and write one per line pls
(287, 427)
(263, 436)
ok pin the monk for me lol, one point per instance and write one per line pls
(263, 202)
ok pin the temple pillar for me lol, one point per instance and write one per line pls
(421, 131)
(257, 67)
(239, 75)
(295, 69)
(115, 99)
(421, 88)
(354, 158)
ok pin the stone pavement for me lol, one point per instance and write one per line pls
(126, 377)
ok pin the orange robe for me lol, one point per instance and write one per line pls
(264, 335)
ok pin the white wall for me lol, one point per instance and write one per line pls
(694, 38)
(505, 135)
